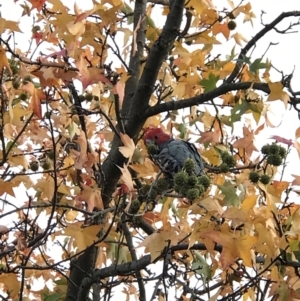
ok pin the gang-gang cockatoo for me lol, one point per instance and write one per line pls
(170, 153)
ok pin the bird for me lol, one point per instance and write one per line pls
(171, 154)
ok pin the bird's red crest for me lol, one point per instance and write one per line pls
(156, 135)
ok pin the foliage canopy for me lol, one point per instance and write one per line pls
(86, 214)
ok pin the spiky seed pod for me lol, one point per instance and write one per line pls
(163, 184)
(265, 149)
(224, 168)
(135, 206)
(144, 190)
(254, 176)
(89, 96)
(81, 98)
(224, 155)
(16, 84)
(231, 25)
(265, 179)
(189, 166)
(181, 178)
(274, 159)
(192, 180)
(192, 194)
(274, 149)
(282, 152)
(201, 189)
(46, 165)
(34, 165)
(205, 181)
(50, 154)
(23, 96)
(230, 161)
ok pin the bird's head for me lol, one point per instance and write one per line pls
(155, 136)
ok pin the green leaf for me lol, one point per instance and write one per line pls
(52, 297)
(256, 65)
(210, 83)
(201, 267)
(239, 110)
(150, 22)
(231, 198)
(127, 10)
(245, 60)
(182, 130)
(72, 128)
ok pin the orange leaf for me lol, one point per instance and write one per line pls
(38, 4)
(89, 76)
(91, 197)
(36, 96)
(3, 60)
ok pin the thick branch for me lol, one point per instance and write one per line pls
(203, 98)
(137, 49)
(140, 100)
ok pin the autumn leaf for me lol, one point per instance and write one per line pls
(10, 282)
(247, 142)
(91, 196)
(83, 237)
(128, 149)
(7, 187)
(89, 76)
(233, 248)
(126, 177)
(3, 60)
(38, 4)
(278, 93)
(37, 96)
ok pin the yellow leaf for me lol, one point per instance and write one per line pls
(83, 237)
(278, 93)
(154, 244)
(239, 39)
(11, 283)
(212, 156)
(11, 25)
(128, 149)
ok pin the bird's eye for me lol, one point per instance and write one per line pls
(155, 137)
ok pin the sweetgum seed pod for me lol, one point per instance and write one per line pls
(192, 194)
(254, 177)
(265, 179)
(205, 181)
(181, 178)
(189, 166)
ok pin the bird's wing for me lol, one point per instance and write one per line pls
(174, 153)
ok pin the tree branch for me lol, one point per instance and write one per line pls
(255, 39)
(203, 98)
